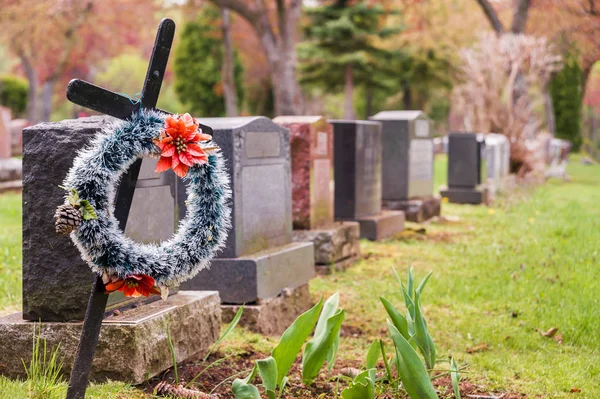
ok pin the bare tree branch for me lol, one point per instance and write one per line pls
(520, 16)
(491, 15)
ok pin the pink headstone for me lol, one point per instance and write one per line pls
(5, 135)
(311, 142)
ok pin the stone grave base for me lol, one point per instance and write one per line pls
(416, 210)
(465, 195)
(261, 275)
(133, 345)
(383, 225)
(336, 246)
(272, 316)
(11, 172)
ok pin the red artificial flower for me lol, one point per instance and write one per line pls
(134, 285)
(179, 146)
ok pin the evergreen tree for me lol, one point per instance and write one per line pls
(198, 63)
(567, 96)
(341, 50)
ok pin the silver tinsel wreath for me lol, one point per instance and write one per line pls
(95, 175)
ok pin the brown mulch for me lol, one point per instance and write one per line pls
(323, 388)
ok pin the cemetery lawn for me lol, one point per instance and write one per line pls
(501, 277)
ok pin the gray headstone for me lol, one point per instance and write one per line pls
(259, 260)
(357, 170)
(407, 154)
(56, 281)
(465, 160)
(258, 162)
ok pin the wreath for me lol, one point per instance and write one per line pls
(88, 212)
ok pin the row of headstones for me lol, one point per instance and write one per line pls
(282, 175)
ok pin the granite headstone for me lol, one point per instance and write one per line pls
(56, 281)
(259, 259)
(407, 158)
(466, 169)
(357, 174)
(311, 144)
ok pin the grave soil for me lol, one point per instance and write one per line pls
(325, 386)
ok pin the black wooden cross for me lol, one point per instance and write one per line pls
(122, 107)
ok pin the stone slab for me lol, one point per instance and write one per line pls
(272, 316)
(357, 170)
(416, 210)
(464, 160)
(258, 163)
(10, 169)
(381, 226)
(133, 346)
(15, 185)
(56, 281)
(259, 276)
(465, 195)
(340, 266)
(311, 144)
(333, 244)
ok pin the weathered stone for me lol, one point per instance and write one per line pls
(272, 316)
(357, 171)
(407, 154)
(311, 144)
(56, 282)
(458, 195)
(416, 210)
(335, 244)
(258, 162)
(381, 226)
(133, 346)
(258, 276)
(11, 169)
(466, 169)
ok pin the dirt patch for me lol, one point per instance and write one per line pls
(239, 366)
(351, 331)
(409, 235)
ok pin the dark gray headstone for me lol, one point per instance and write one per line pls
(56, 281)
(464, 160)
(407, 154)
(258, 162)
(357, 170)
(259, 260)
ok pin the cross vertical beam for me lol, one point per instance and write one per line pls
(98, 99)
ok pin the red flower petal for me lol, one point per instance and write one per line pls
(186, 159)
(175, 161)
(147, 280)
(114, 286)
(195, 150)
(181, 170)
(168, 151)
(202, 159)
(163, 164)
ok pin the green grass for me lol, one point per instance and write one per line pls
(537, 259)
(501, 275)
(10, 252)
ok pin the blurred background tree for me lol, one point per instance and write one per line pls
(198, 66)
(567, 96)
(341, 51)
(13, 94)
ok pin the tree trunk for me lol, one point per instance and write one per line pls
(349, 86)
(280, 47)
(491, 15)
(32, 93)
(227, 71)
(549, 110)
(520, 16)
(407, 95)
(47, 92)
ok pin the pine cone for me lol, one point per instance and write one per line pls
(68, 218)
(179, 392)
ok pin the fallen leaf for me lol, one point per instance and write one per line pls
(575, 390)
(558, 338)
(351, 372)
(478, 348)
(550, 333)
